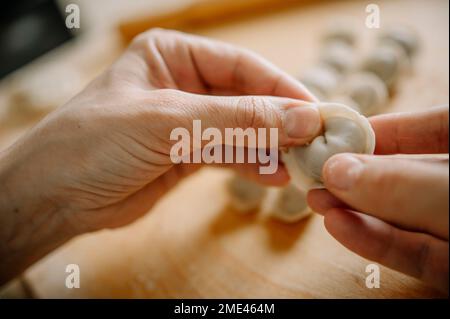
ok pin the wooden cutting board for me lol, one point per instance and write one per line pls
(192, 245)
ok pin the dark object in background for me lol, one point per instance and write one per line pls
(28, 29)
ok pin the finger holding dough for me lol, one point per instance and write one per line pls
(345, 131)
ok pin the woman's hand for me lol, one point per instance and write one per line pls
(403, 201)
(103, 159)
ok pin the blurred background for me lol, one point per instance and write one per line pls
(43, 64)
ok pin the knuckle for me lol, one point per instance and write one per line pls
(252, 111)
(169, 94)
(113, 78)
(149, 35)
(168, 102)
(171, 102)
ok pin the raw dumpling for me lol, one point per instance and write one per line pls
(41, 92)
(338, 55)
(321, 79)
(340, 31)
(290, 205)
(386, 62)
(403, 36)
(246, 195)
(367, 90)
(346, 100)
(345, 131)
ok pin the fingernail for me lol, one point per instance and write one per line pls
(302, 122)
(342, 171)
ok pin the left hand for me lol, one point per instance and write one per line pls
(103, 159)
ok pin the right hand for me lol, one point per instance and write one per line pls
(394, 210)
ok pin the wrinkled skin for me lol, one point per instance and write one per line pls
(103, 159)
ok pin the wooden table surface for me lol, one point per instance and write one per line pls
(192, 245)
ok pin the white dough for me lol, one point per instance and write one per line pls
(340, 31)
(346, 100)
(314, 91)
(338, 55)
(386, 62)
(367, 90)
(345, 131)
(246, 195)
(321, 79)
(42, 92)
(403, 36)
(290, 205)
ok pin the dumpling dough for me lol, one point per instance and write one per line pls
(338, 55)
(340, 31)
(322, 79)
(345, 131)
(246, 195)
(346, 100)
(386, 62)
(38, 93)
(368, 92)
(290, 205)
(403, 36)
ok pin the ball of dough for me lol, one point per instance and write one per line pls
(368, 92)
(246, 195)
(43, 91)
(338, 55)
(385, 62)
(346, 100)
(345, 131)
(290, 205)
(340, 31)
(321, 79)
(403, 36)
(316, 92)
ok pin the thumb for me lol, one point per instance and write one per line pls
(296, 121)
(409, 193)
